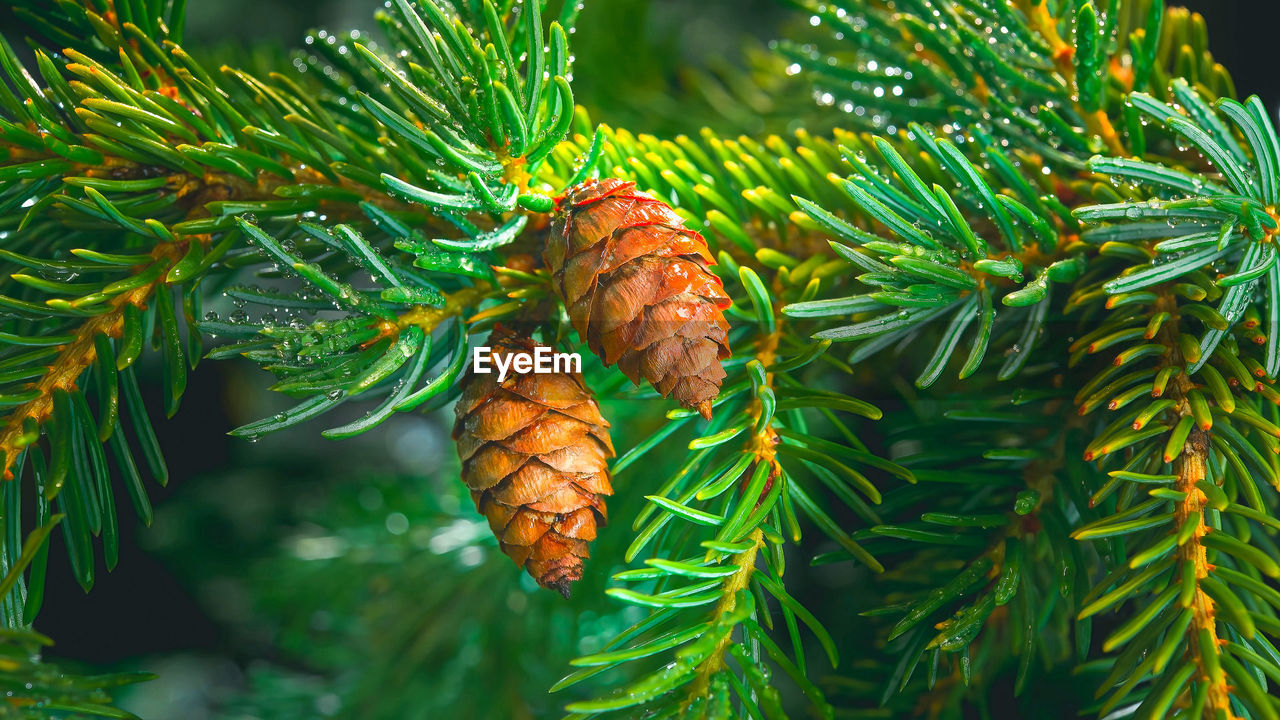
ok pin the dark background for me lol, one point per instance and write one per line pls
(1241, 32)
(147, 607)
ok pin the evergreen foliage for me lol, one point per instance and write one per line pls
(1048, 225)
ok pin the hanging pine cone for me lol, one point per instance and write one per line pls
(534, 452)
(636, 284)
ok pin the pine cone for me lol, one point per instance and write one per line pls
(534, 452)
(636, 284)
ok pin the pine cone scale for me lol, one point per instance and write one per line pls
(490, 466)
(580, 525)
(583, 460)
(552, 433)
(503, 418)
(555, 391)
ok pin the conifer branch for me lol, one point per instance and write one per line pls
(1204, 642)
(733, 585)
(763, 448)
(1190, 467)
(1064, 57)
(73, 359)
(412, 197)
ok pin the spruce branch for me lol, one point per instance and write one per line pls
(1046, 77)
(1080, 64)
(943, 268)
(979, 543)
(737, 191)
(1192, 555)
(780, 471)
(1204, 643)
(402, 195)
(733, 585)
(1194, 456)
(77, 353)
(130, 167)
(890, 208)
(762, 448)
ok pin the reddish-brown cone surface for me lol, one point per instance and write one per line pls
(535, 453)
(637, 287)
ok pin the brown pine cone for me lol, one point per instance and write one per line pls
(637, 287)
(534, 452)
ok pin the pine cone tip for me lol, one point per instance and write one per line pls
(704, 408)
(564, 587)
(559, 574)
